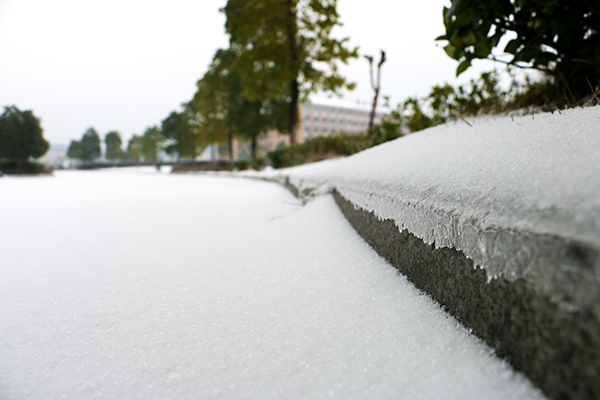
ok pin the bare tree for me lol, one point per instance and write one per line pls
(375, 87)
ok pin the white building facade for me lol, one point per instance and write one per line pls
(326, 117)
(321, 117)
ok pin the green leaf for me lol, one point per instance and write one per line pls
(464, 19)
(463, 66)
(512, 46)
(495, 39)
(444, 12)
(453, 52)
(456, 5)
(544, 59)
(469, 39)
(482, 49)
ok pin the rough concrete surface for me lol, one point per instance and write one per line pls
(557, 348)
(520, 196)
(499, 221)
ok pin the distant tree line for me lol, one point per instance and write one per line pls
(279, 52)
(176, 136)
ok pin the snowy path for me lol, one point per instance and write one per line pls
(138, 285)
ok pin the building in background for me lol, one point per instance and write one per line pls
(326, 117)
(320, 117)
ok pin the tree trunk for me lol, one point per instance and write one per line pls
(253, 148)
(230, 144)
(376, 86)
(292, 32)
(293, 112)
(372, 117)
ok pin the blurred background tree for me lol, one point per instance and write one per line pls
(284, 50)
(134, 148)
(90, 145)
(225, 110)
(114, 144)
(212, 101)
(74, 151)
(181, 134)
(21, 137)
(151, 142)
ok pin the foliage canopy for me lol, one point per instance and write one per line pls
(224, 109)
(181, 133)
(114, 144)
(151, 142)
(21, 136)
(559, 37)
(134, 148)
(284, 49)
(74, 151)
(90, 145)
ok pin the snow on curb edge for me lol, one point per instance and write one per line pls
(520, 197)
(532, 287)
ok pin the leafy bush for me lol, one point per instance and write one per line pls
(390, 128)
(242, 165)
(559, 38)
(445, 103)
(483, 96)
(324, 147)
(258, 163)
(21, 136)
(23, 168)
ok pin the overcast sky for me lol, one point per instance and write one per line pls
(126, 64)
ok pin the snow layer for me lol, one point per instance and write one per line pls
(141, 285)
(519, 195)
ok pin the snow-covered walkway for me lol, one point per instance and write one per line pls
(138, 285)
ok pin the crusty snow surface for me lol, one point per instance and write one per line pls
(514, 193)
(138, 285)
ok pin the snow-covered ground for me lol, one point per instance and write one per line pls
(520, 195)
(133, 284)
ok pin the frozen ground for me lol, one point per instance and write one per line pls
(518, 195)
(139, 285)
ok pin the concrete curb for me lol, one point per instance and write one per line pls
(557, 348)
(498, 221)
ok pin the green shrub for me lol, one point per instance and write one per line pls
(23, 168)
(445, 103)
(258, 163)
(319, 148)
(242, 165)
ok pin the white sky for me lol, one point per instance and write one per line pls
(126, 64)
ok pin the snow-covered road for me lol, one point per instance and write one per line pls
(137, 285)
